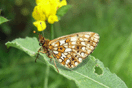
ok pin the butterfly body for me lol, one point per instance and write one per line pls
(70, 50)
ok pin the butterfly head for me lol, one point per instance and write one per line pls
(41, 40)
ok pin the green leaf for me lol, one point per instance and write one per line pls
(2, 20)
(28, 45)
(84, 75)
(62, 11)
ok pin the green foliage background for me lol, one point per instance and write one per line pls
(110, 19)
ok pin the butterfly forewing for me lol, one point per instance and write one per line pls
(70, 50)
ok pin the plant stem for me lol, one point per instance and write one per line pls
(46, 77)
(48, 68)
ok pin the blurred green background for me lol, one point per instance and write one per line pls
(111, 19)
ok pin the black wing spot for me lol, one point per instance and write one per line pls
(77, 47)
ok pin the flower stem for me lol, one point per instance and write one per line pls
(46, 77)
(48, 68)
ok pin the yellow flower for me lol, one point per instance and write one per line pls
(38, 13)
(41, 25)
(53, 8)
(38, 1)
(62, 3)
(46, 10)
(52, 19)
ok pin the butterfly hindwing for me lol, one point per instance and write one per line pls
(70, 50)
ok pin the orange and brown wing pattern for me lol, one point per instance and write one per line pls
(70, 50)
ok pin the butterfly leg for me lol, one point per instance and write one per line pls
(37, 57)
(53, 60)
(50, 57)
(38, 54)
(55, 65)
(42, 52)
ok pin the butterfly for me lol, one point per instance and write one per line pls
(69, 50)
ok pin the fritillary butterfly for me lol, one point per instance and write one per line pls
(70, 50)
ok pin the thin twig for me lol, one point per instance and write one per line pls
(46, 77)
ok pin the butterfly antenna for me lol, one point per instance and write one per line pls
(42, 29)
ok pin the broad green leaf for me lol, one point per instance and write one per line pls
(2, 20)
(28, 45)
(62, 11)
(84, 75)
